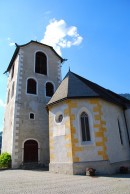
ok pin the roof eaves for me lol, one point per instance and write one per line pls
(13, 58)
(32, 41)
(105, 93)
(56, 102)
(75, 97)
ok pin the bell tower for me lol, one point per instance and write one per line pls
(34, 75)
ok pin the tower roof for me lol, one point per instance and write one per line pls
(19, 46)
(74, 86)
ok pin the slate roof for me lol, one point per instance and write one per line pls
(74, 86)
(19, 46)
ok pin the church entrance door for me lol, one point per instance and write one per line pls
(30, 151)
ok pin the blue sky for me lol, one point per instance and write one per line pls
(94, 35)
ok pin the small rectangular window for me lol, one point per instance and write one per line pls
(31, 116)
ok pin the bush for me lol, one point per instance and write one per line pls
(5, 160)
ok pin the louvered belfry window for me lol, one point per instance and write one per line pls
(41, 63)
(85, 127)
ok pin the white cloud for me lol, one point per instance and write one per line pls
(59, 35)
(47, 12)
(11, 43)
(2, 104)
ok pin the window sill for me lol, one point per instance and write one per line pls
(31, 94)
(89, 143)
(41, 74)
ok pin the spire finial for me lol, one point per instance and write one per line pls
(69, 68)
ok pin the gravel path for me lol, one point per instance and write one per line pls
(44, 182)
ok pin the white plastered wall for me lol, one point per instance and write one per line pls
(114, 149)
(117, 152)
(127, 115)
(10, 111)
(59, 132)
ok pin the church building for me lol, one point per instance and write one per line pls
(34, 74)
(70, 124)
(89, 127)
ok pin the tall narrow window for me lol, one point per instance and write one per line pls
(120, 132)
(31, 86)
(49, 89)
(12, 72)
(85, 127)
(8, 96)
(41, 63)
(12, 92)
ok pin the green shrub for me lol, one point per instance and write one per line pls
(5, 160)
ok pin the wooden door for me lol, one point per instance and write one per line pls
(30, 151)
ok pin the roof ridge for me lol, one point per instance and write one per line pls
(109, 93)
(32, 41)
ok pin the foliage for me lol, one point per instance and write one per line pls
(5, 160)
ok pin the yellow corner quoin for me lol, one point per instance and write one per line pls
(51, 156)
(76, 159)
(51, 142)
(75, 140)
(66, 112)
(68, 136)
(101, 128)
(99, 134)
(75, 148)
(97, 117)
(69, 154)
(68, 145)
(99, 143)
(67, 124)
(73, 130)
(103, 122)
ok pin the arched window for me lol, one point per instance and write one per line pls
(31, 86)
(41, 63)
(49, 89)
(12, 93)
(85, 127)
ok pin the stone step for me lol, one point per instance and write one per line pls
(34, 165)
